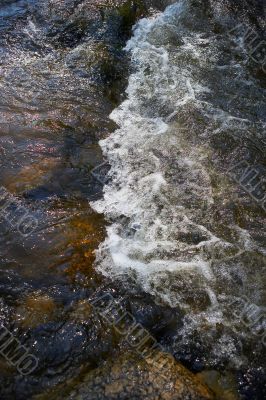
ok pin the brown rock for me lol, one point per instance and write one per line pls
(130, 377)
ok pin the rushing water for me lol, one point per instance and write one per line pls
(185, 239)
(193, 109)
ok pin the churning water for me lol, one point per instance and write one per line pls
(179, 226)
(182, 232)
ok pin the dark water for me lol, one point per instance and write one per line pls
(60, 79)
(185, 244)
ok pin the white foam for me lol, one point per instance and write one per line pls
(160, 197)
(139, 189)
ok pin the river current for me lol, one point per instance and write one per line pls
(184, 198)
(180, 225)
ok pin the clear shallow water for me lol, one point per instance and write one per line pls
(183, 238)
(49, 133)
(56, 95)
(179, 226)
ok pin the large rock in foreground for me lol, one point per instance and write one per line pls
(129, 377)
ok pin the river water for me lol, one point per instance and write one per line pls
(178, 225)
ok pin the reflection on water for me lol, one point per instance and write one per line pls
(59, 81)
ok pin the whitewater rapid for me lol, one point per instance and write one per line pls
(139, 194)
(164, 196)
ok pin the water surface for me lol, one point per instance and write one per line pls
(185, 244)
